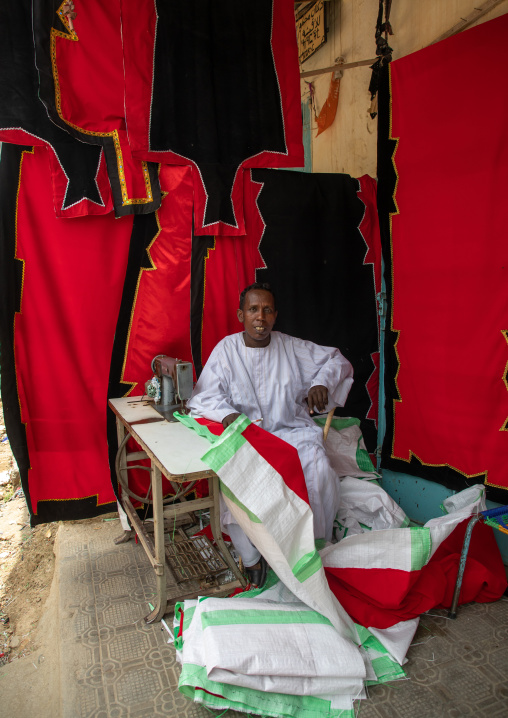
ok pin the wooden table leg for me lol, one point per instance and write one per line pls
(213, 485)
(120, 433)
(160, 556)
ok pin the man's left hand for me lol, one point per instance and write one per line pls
(318, 397)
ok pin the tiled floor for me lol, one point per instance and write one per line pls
(115, 666)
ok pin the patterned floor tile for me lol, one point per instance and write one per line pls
(116, 666)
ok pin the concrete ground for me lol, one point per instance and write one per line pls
(102, 661)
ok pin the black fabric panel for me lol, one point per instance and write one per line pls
(22, 108)
(144, 231)
(215, 97)
(387, 179)
(45, 19)
(200, 247)
(70, 510)
(11, 278)
(314, 254)
(218, 182)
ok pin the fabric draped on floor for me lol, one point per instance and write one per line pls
(332, 621)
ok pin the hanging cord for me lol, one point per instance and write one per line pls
(312, 99)
(383, 51)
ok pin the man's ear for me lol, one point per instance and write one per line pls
(239, 314)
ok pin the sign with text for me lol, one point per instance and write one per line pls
(311, 30)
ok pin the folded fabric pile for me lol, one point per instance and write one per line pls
(328, 622)
(276, 658)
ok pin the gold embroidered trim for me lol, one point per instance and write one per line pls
(126, 200)
(504, 332)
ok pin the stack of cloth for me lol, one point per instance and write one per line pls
(331, 620)
(272, 655)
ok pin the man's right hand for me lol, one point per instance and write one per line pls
(229, 419)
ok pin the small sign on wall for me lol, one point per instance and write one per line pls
(310, 29)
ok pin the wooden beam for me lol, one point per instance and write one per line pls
(465, 22)
(338, 66)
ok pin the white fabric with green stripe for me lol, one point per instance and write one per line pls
(404, 549)
(228, 645)
(346, 448)
(277, 521)
(291, 649)
(365, 506)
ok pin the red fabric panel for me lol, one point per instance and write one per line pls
(450, 254)
(360, 603)
(160, 319)
(64, 337)
(485, 576)
(281, 455)
(89, 68)
(207, 531)
(89, 87)
(382, 597)
(213, 426)
(138, 28)
(230, 267)
(369, 227)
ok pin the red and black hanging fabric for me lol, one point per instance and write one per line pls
(443, 184)
(156, 300)
(61, 283)
(321, 251)
(78, 176)
(87, 301)
(222, 267)
(214, 85)
(81, 83)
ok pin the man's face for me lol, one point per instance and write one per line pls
(258, 317)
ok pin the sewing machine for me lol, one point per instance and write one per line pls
(171, 385)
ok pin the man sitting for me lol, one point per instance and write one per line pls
(275, 380)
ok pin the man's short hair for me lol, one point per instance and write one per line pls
(257, 285)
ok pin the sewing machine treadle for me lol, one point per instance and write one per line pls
(185, 568)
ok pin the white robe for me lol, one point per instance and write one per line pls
(271, 383)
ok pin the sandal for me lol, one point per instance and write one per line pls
(257, 576)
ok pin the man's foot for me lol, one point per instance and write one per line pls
(257, 573)
(126, 536)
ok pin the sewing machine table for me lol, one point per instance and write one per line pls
(174, 452)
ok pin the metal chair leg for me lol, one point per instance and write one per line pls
(452, 613)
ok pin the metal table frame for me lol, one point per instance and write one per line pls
(155, 549)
